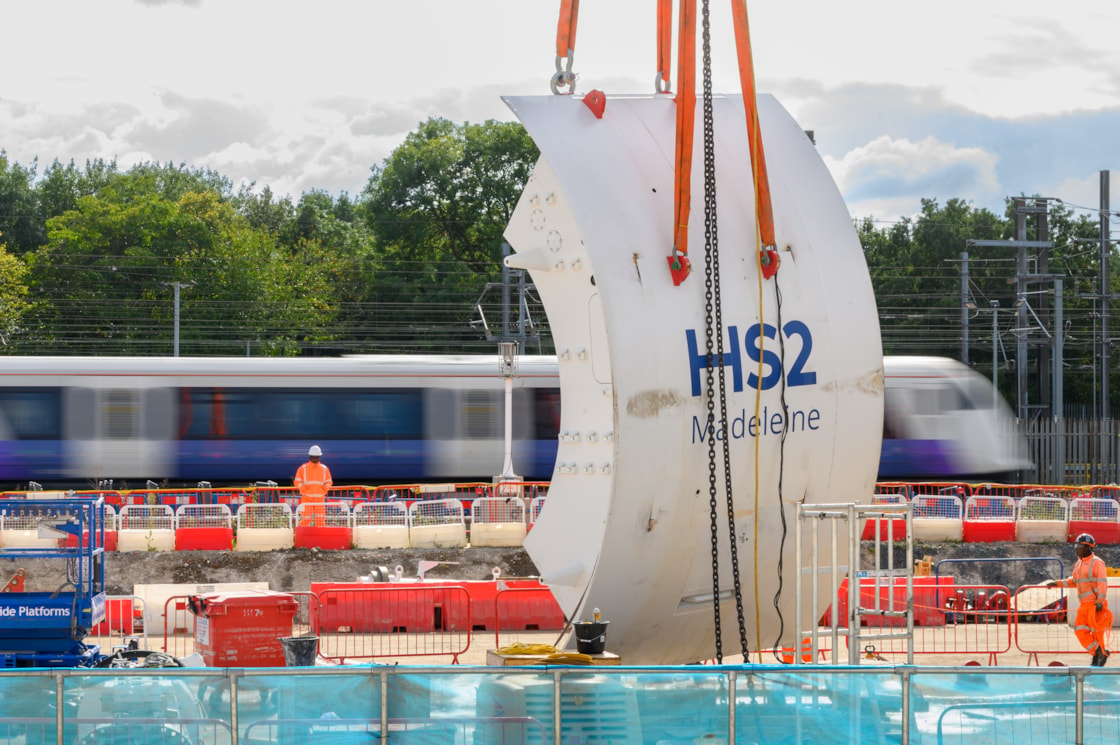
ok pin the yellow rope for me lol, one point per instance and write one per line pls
(565, 658)
(758, 438)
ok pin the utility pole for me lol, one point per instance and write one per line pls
(964, 307)
(178, 286)
(995, 355)
(1105, 292)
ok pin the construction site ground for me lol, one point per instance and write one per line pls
(294, 570)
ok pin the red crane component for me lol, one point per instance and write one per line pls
(15, 584)
(597, 102)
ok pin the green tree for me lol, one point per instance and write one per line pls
(448, 191)
(13, 293)
(438, 206)
(102, 278)
(20, 217)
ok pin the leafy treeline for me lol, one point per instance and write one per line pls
(916, 271)
(90, 256)
(93, 253)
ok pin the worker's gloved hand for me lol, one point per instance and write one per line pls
(1052, 583)
(1100, 606)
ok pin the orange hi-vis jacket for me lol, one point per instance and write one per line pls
(1091, 580)
(313, 481)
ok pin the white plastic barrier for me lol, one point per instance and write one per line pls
(381, 525)
(498, 521)
(1041, 519)
(324, 515)
(437, 523)
(146, 527)
(203, 516)
(938, 517)
(264, 527)
(535, 508)
(20, 529)
(1099, 516)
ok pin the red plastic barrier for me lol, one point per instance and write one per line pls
(989, 531)
(1102, 532)
(323, 537)
(384, 607)
(71, 541)
(523, 606)
(203, 539)
(930, 594)
(899, 529)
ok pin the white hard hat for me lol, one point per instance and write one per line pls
(315, 450)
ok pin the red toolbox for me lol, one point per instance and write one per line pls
(242, 629)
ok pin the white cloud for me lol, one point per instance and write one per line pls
(889, 173)
(1013, 99)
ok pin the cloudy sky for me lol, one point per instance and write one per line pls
(980, 100)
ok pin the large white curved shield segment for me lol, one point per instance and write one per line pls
(625, 527)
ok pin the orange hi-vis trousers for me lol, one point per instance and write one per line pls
(1093, 627)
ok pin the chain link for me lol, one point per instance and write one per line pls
(713, 317)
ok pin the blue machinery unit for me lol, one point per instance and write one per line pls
(47, 629)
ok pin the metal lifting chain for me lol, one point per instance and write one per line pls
(713, 317)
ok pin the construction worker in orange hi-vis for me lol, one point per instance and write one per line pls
(313, 479)
(1094, 620)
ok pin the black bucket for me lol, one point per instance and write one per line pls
(591, 636)
(300, 651)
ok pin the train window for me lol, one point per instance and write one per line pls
(546, 413)
(387, 414)
(978, 391)
(30, 414)
(953, 398)
(273, 413)
(926, 401)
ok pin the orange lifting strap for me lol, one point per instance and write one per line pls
(565, 47)
(764, 208)
(679, 265)
(566, 28)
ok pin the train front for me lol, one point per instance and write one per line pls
(627, 525)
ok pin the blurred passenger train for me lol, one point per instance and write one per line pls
(387, 419)
(943, 421)
(378, 419)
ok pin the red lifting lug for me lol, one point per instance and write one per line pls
(770, 262)
(597, 102)
(679, 267)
